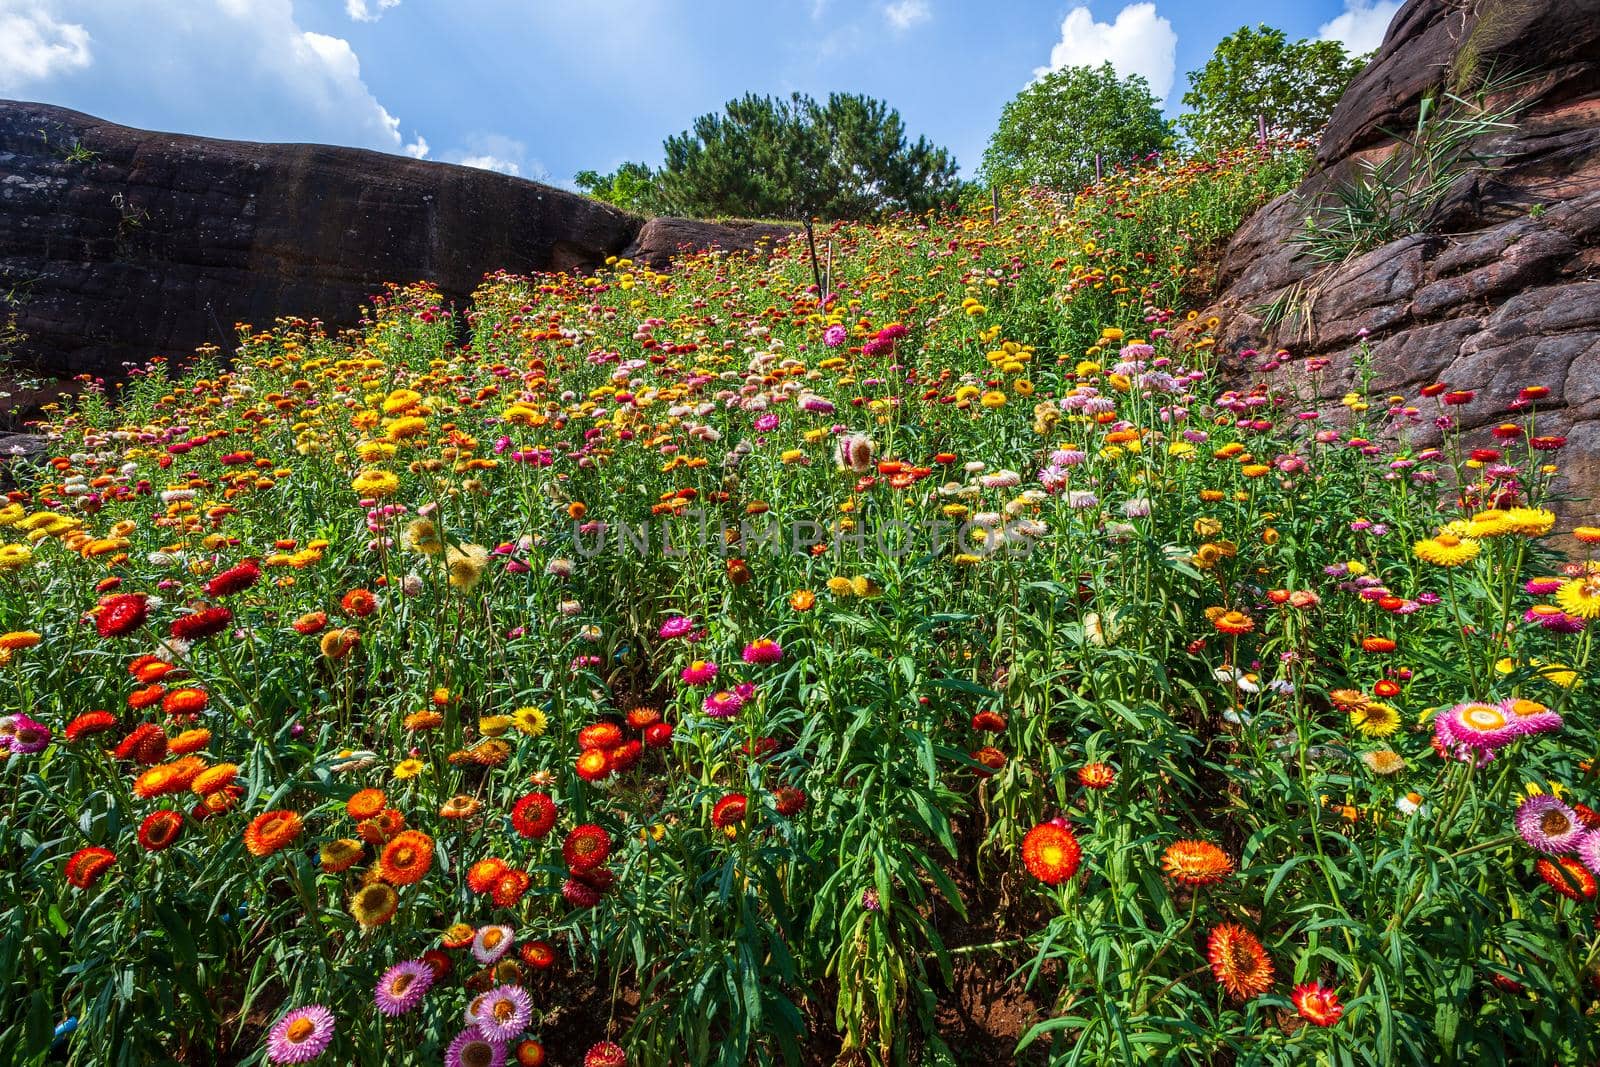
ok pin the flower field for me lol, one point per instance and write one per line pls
(736, 665)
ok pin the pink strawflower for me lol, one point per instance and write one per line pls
(763, 650)
(723, 704)
(301, 1035)
(1548, 825)
(676, 626)
(700, 672)
(402, 987)
(472, 1048)
(502, 1013)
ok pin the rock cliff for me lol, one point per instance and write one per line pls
(1502, 288)
(119, 244)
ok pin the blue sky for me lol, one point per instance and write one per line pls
(545, 88)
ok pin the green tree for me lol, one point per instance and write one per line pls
(847, 158)
(1050, 133)
(631, 187)
(1291, 87)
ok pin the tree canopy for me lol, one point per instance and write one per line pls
(1050, 133)
(1258, 72)
(848, 158)
(631, 187)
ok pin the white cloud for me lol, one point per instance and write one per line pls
(494, 163)
(1361, 28)
(904, 14)
(35, 46)
(497, 152)
(417, 149)
(363, 11)
(1137, 41)
(221, 68)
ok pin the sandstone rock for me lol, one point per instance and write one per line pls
(121, 244)
(1502, 290)
(662, 238)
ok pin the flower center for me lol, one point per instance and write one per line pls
(1484, 718)
(299, 1030)
(1554, 823)
(401, 983)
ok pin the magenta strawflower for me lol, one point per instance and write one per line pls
(502, 1013)
(22, 735)
(1474, 730)
(1530, 717)
(723, 704)
(402, 987)
(763, 650)
(1548, 825)
(676, 626)
(472, 1048)
(1553, 618)
(835, 335)
(301, 1035)
(700, 672)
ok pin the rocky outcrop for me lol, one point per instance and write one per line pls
(119, 244)
(662, 238)
(1503, 288)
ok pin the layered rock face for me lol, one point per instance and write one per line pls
(1503, 289)
(119, 244)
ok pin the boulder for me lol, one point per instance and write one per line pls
(1501, 291)
(118, 244)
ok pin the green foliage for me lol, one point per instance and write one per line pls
(847, 158)
(1403, 192)
(1050, 133)
(633, 187)
(1188, 583)
(1258, 73)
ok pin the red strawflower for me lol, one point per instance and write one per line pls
(1096, 776)
(1051, 852)
(789, 800)
(989, 722)
(510, 887)
(534, 815)
(202, 623)
(1239, 961)
(537, 954)
(147, 744)
(87, 865)
(1317, 1003)
(593, 765)
(160, 829)
(1568, 877)
(605, 1054)
(730, 811)
(586, 847)
(90, 722)
(358, 603)
(624, 755)
(122, 614)
(579, 894)
(235, 579)
(604, 735)
(658, 735)
(482, 875)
